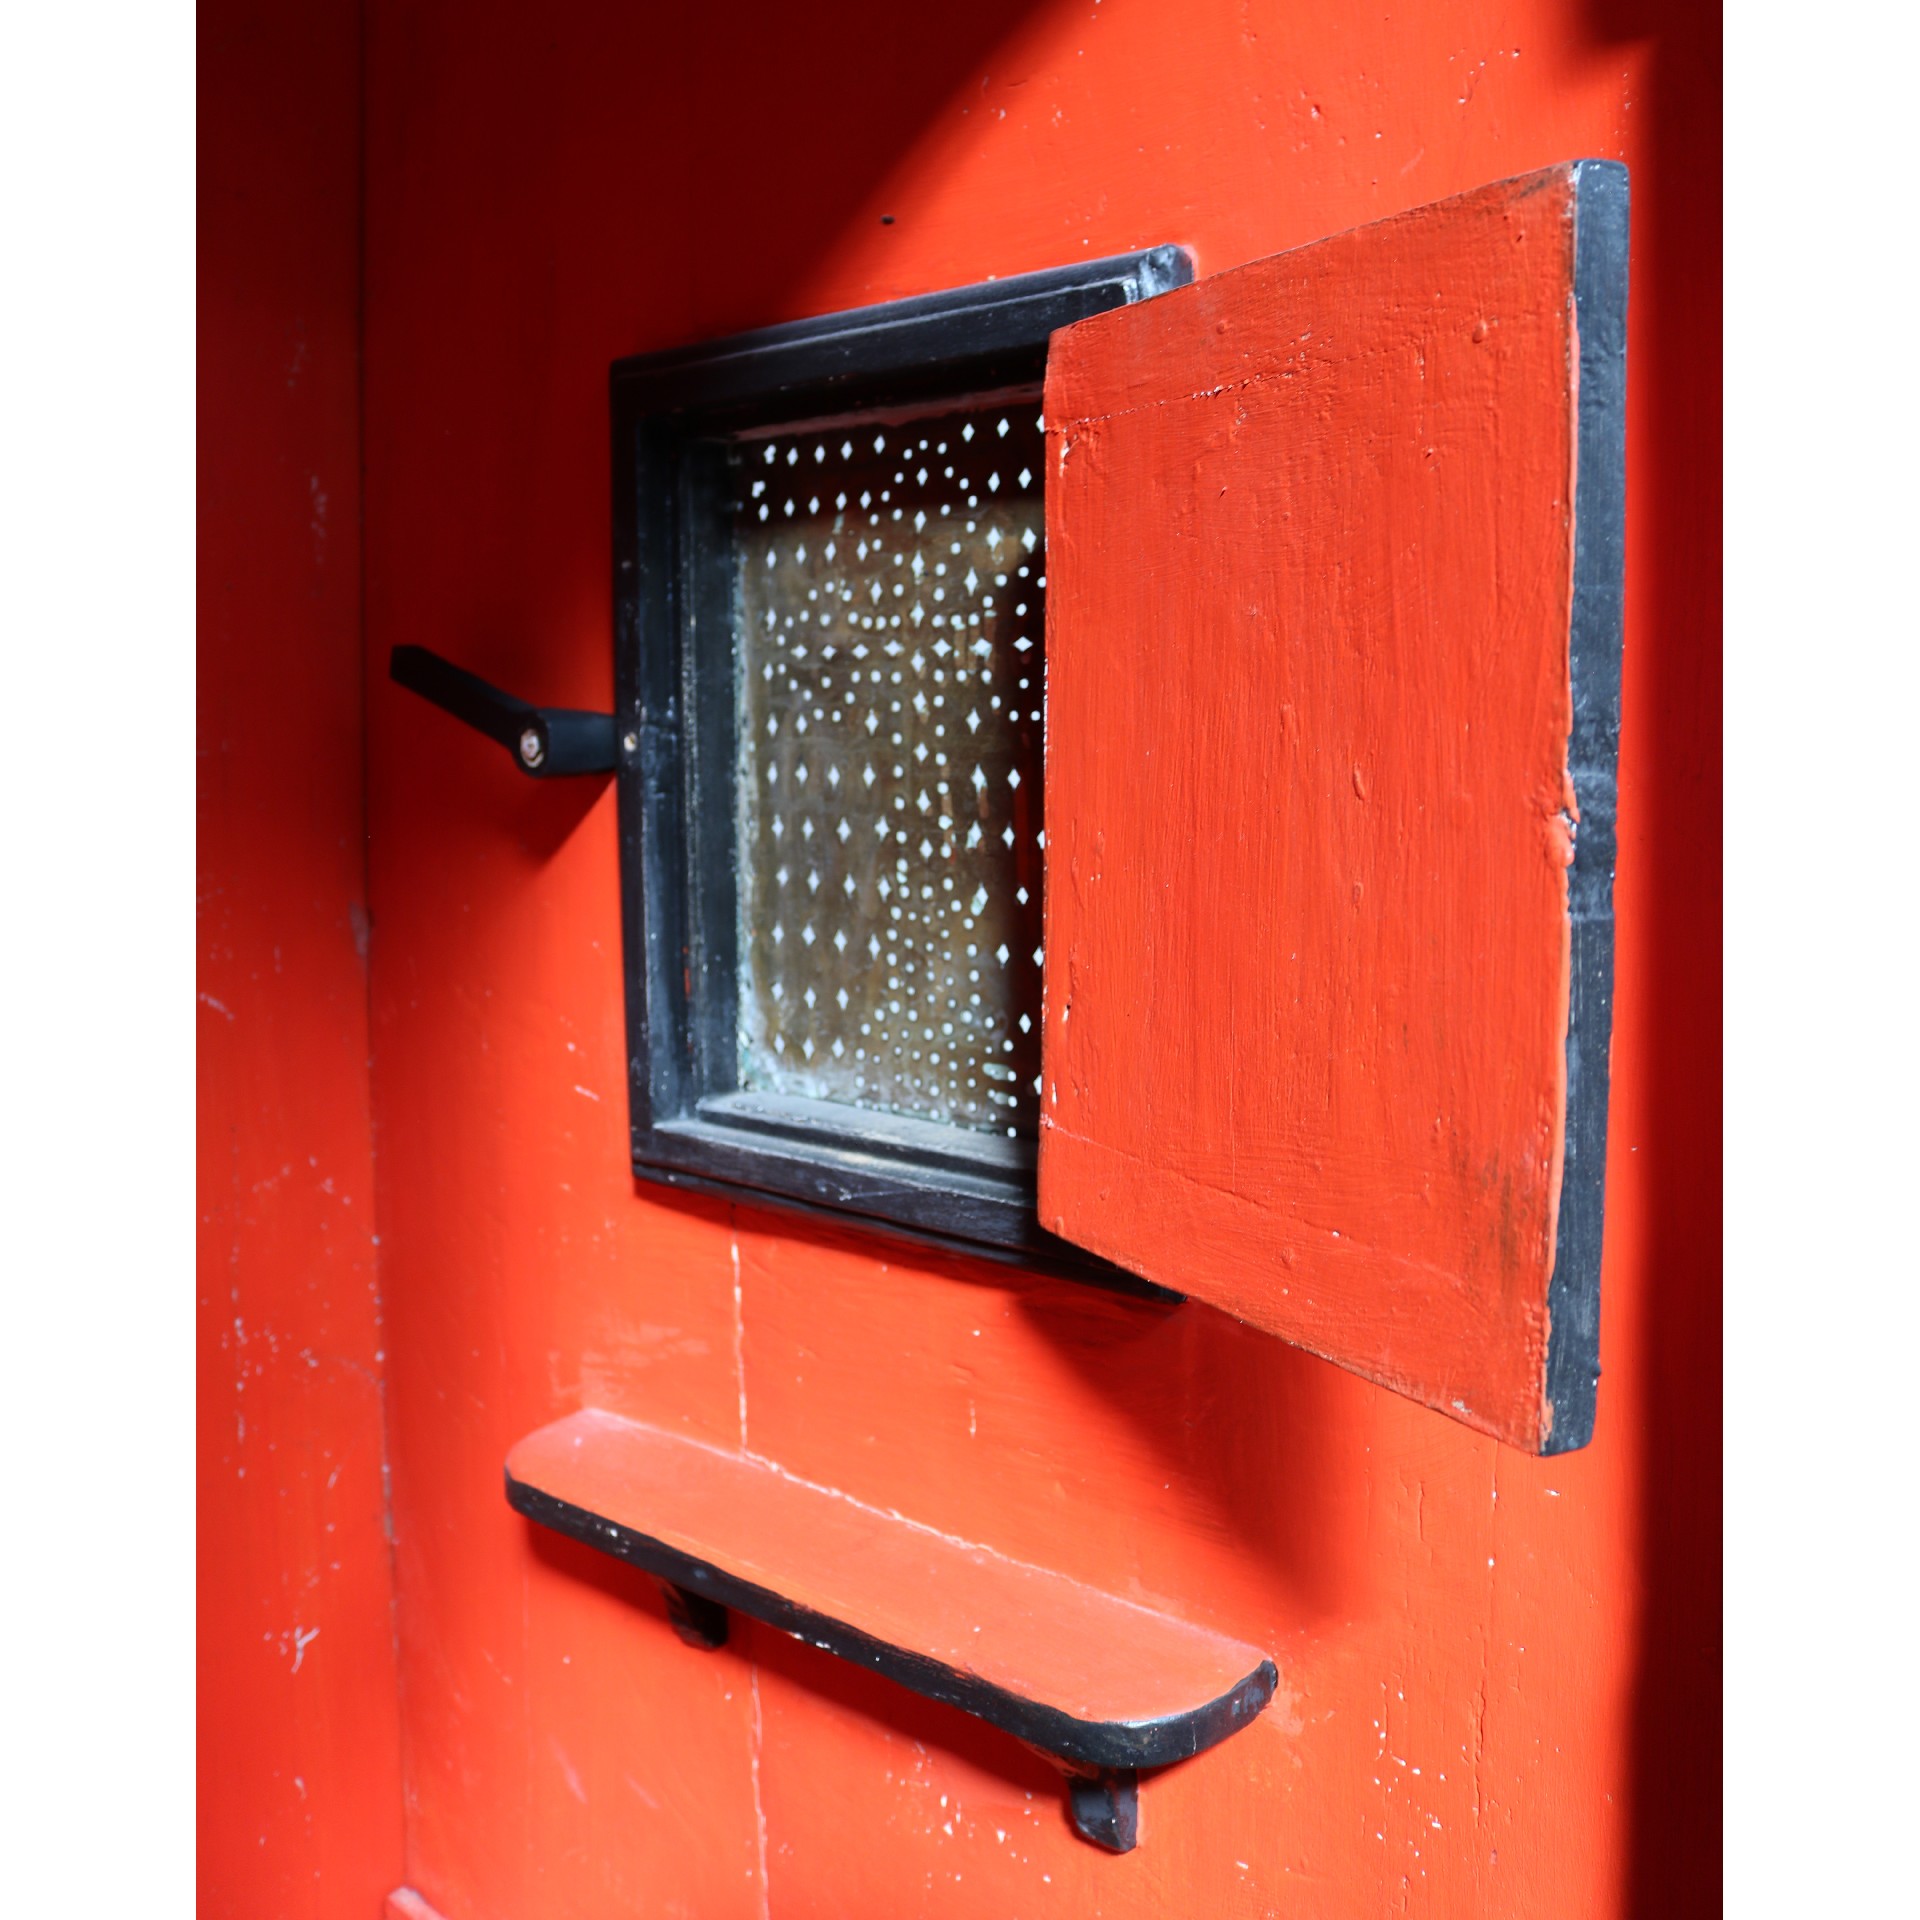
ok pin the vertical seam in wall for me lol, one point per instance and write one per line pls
(753, 1666)
(366, 898)
(739, 1328)
(759, 1806)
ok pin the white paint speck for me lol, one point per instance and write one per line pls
(739, 1341)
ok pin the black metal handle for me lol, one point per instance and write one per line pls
(546, 742)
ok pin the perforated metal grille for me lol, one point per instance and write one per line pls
(889, 612)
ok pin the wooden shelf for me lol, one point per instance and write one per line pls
(1101, 1685)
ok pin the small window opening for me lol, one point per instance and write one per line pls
(829, 560)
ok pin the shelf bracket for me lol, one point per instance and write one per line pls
(1105, 1807)
(1102, 1688)
(698, 1621)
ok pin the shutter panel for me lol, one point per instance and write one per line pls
(1332, 701)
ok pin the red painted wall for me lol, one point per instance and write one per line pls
(1499, 1676)
(299, 1778)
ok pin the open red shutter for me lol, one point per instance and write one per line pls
(1332, 700)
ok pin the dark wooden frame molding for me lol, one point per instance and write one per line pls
(672, 415)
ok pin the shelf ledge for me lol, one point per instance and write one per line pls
(1102, 1686)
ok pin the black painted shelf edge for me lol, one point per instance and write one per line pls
(1102, 1808)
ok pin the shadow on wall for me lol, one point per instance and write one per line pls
(1673, 702)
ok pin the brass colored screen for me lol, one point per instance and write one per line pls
(889, 615)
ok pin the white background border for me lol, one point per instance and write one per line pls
(97, 973)
(1822, 961)
(96, 607)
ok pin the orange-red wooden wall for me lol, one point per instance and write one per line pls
(300, 1811)
(425, 230)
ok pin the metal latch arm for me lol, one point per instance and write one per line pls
(546, 742)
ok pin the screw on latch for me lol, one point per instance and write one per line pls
(545, 742)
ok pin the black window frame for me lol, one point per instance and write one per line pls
(692, 1126)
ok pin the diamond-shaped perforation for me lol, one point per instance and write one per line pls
(889, 611)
